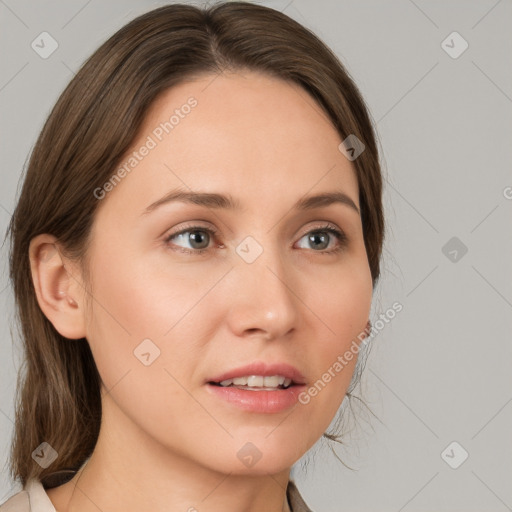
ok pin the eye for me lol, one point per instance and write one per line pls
(320, 239)
(198, 239)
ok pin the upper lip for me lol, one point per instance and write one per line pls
(263, 369)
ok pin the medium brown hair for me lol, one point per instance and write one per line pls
(90, 128)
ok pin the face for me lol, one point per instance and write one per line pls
(186, 291)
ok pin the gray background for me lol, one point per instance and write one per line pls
(441, 370)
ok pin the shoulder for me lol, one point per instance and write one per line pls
(297, 503)
(31, 498)
(19, 502)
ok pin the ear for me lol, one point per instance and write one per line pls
(58, 287)
(368, 330)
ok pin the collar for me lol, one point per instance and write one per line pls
(40, 502)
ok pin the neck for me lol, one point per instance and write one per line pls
(129, 471)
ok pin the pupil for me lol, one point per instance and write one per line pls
(195, 237)
(323, 238)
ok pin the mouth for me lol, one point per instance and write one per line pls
(259, 387)
(257, 383)
(259, 375)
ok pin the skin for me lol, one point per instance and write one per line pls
(165, 442)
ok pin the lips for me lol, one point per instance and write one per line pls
(263, 369)
(256, 399)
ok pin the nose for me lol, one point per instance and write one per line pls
(265, 303)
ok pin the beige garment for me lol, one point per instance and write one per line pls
(33, 497)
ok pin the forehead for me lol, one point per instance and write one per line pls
(260, 137)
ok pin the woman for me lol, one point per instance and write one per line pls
(193, 256)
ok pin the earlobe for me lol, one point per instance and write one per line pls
(57, 290)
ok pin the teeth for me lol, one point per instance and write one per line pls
(258, 381)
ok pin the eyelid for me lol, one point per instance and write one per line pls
(320, 227)
(192, 225)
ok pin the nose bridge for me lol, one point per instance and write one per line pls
(265, 299)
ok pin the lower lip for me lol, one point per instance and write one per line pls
(259, 401)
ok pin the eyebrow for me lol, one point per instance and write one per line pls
(222, 201)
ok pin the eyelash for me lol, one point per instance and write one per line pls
(327, 228)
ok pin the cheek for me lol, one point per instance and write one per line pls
(341, 307)
(340, 298)
(135, 297)
(139, 307)
(140, 335)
